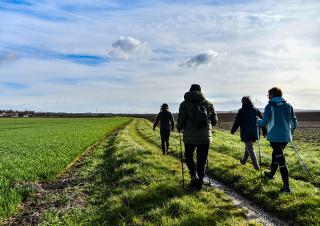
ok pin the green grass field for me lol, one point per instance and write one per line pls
(301, 207)
(39, 148)
(132, 183)
(127, 181)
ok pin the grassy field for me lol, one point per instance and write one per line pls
(39, 148)
(131, 183)
(301, 207)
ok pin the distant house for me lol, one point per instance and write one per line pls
(15, 115)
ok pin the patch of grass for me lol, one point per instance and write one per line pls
(131, 183)
(301, 207)
(36, 149)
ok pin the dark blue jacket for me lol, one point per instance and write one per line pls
(246, 119)
(165, 117)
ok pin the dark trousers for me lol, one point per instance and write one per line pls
(202, 154)
(279, 160)
(165, 134)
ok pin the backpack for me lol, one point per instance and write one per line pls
(200, 116)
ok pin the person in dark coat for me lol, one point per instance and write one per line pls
(196, 138)
(165, 117)
(246, 120)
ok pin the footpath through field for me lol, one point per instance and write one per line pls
(302, 207)
(127, 181)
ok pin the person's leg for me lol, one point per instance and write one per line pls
(167, 140)
(189, 149)
(246, 154)
(250, 150)
(162, 134)
(274, 162)
(278, 148)
(202, 155)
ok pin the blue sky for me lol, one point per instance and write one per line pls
(131, 56)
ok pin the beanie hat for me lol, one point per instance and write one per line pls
(195, 87)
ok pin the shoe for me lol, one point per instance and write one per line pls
(194, 182)
(199, 184)
(285, 189)
(268, 175)
(242, 162)
(168, 152)
(256, 168)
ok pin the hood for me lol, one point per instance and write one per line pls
(247, 105)
(194, 96)
(277, 101)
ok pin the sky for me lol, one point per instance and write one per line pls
(126, 56)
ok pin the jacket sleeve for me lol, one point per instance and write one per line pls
(213, 117)
(264, 130)
(182, 117)
(172, 122)
(236, 123)
(266, 117)
(157, 121)
(293, 119)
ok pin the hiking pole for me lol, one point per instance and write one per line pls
(259, 145)
(181, 159)
(305, 166)
(207, 171)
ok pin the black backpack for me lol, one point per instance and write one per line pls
(200, 116)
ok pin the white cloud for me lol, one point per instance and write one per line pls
(127, 47)
(207, 58)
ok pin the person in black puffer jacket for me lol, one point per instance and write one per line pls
(246, 119)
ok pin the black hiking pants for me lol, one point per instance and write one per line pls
(165, 134)
(279, 160)
(202, 154)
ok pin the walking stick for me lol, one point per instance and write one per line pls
(259, 145)
(181, 159)
(207, 171)
(305, 166)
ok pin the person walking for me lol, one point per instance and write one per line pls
(246, 120)
(196, 118)
(165, 117)
(281, 122)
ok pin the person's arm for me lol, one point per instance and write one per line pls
(264, 130)
(236, 123)
(181, 117)
(293, 120)
(213, 117)
(156, 122)
(172, 122)
(266, 117)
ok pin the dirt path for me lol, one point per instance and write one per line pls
(255, 212)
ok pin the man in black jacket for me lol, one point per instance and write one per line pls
(196, 137)
(246, 119)
(165, 117)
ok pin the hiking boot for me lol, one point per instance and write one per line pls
(199, 184)
(267, 175)
(242, 162)
(194, 182)
(285, 189)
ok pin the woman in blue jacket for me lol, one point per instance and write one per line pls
(281, 121)
(246, 120)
